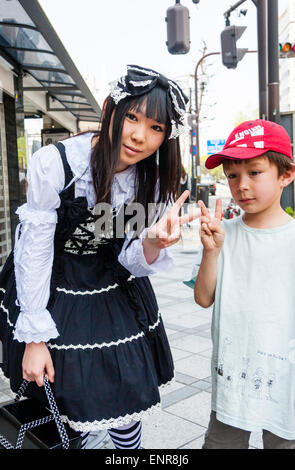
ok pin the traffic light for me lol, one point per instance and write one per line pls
(287, 49)
(231, 55)
(178, 33)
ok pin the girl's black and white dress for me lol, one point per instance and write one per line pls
(88, 298)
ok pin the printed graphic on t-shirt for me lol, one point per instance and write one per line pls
(253, 382)
(243, 376)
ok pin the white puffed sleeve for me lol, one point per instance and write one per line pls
(33, 251)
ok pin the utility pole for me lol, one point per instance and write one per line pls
(197, 159)
(268, 57)
(192, 130)
(273, 62)
(262, 57)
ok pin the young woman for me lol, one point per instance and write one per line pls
(79, 306)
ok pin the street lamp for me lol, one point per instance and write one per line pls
(197, 119)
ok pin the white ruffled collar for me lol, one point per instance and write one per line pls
(78, 151)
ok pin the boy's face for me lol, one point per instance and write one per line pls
(255, 184)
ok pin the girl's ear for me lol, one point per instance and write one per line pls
(288, 176)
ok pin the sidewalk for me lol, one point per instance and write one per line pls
(186, 402)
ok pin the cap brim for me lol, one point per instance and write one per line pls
(235, 153)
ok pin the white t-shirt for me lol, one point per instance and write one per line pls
(253, 329)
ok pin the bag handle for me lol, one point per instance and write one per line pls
(55, 416)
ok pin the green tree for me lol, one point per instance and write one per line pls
(242, 116)
(217, 172)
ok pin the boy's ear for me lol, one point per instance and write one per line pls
(288, 176)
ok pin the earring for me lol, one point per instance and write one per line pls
(157, 157)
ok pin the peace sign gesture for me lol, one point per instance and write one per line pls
(212, 233)
(167, 231)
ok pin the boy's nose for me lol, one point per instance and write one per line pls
(243, 182)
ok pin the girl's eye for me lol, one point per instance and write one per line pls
(131, 116)
(158, 128)
(230, 177)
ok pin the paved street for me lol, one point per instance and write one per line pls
(186, 402)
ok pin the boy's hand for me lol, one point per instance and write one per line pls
(212, 233)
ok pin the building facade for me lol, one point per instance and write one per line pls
(287, 65)
(38, 83)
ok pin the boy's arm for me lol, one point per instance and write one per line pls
(204, 290)
(212, 237)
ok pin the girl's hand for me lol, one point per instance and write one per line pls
(211, 232)
(37, 362)
(167, 231)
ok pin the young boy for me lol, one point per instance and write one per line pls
(247, 270)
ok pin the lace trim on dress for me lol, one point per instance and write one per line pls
(88, 292)
(7, 312)
(96, 345)
(88, 426)
(105, 345)
(167, 384)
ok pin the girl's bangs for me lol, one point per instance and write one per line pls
(153, 105)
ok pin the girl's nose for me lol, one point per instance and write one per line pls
(139, 132)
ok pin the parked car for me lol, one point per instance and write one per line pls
(209, 181)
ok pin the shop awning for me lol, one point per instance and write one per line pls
(30, 44)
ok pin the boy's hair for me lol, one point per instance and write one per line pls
(282, 162)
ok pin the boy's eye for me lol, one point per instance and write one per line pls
(254, 173)
(231, 176)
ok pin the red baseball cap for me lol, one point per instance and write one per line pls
(252, 139)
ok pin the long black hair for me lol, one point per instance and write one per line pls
(106, 154)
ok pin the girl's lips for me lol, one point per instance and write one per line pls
(131, 150)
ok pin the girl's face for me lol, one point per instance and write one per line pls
(141, 137)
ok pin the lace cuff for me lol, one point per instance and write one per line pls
(134, 260)
(164, 262)
(36, 217)
(35, 327)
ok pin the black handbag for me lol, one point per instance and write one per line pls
(27, 424)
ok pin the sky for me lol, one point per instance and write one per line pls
(103, 36)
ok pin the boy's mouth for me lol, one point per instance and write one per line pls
(246, 200)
